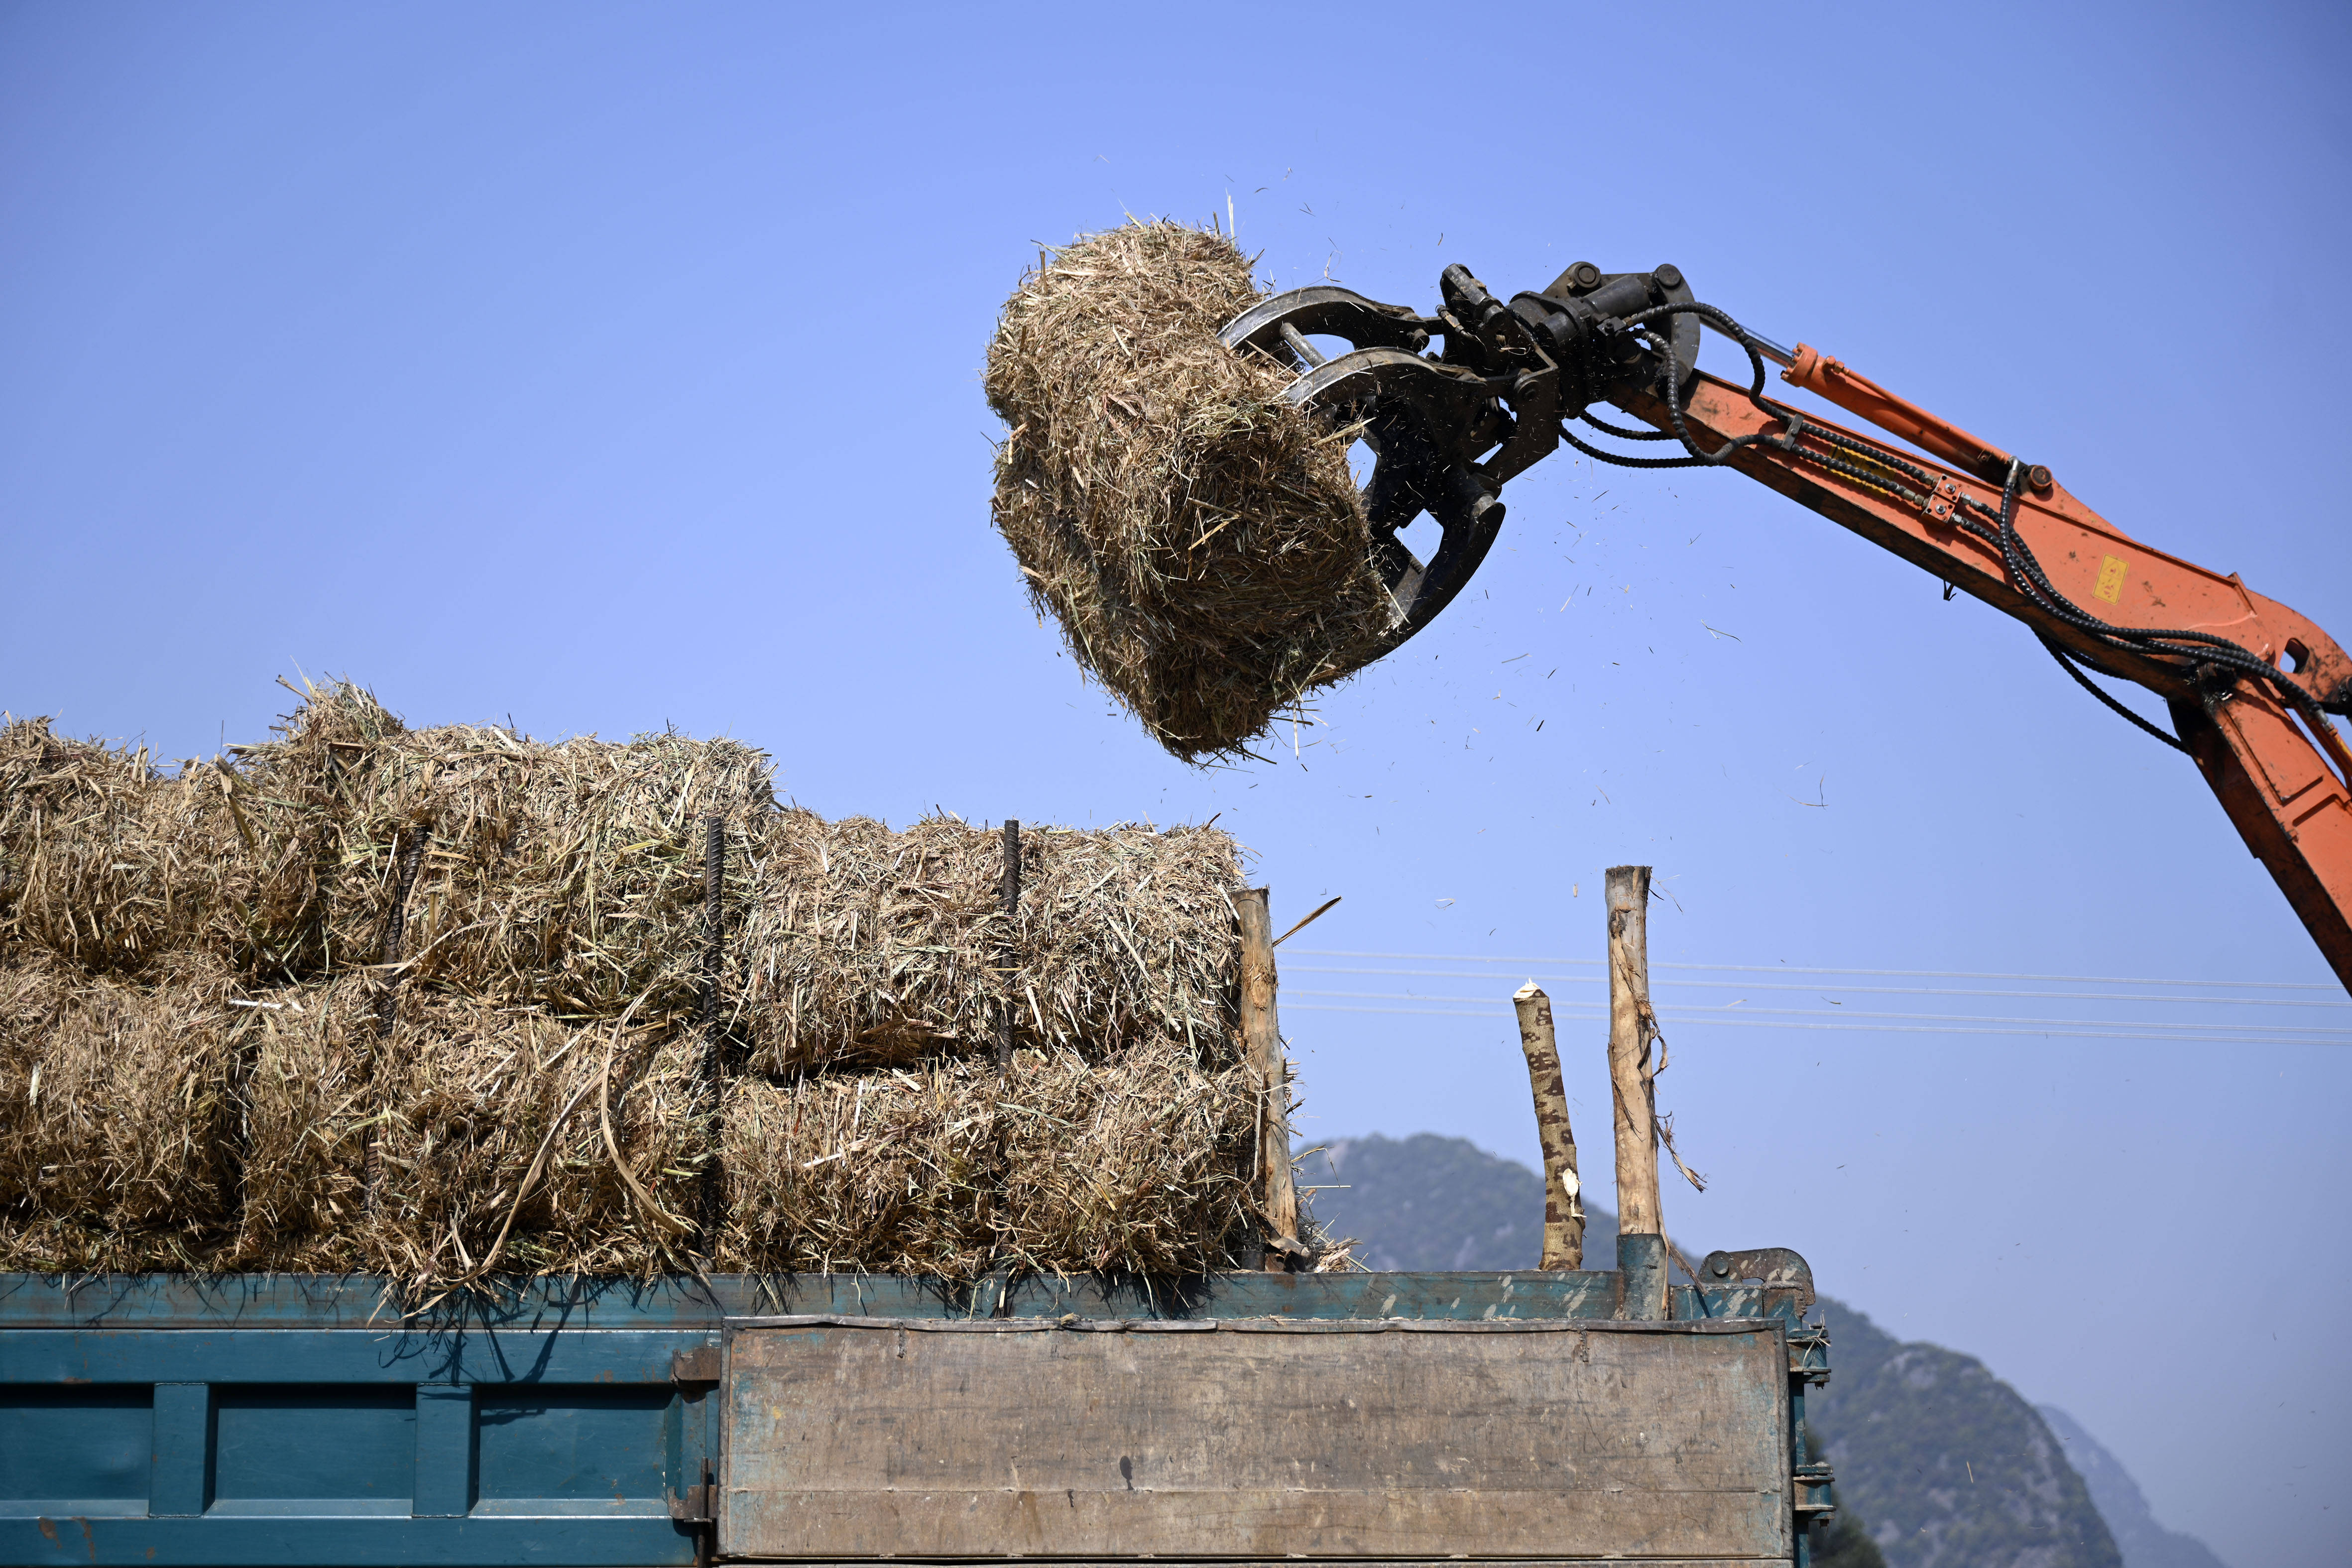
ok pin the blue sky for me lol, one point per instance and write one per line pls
(609, 366)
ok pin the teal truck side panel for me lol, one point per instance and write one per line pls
(160, 1419)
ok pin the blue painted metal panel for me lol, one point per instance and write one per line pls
(314, 1303)
(573, 1541)
(75, 1450)
(181, 1481)
(602, 1445)
(277, 1447)
(444, 1448)
(339, 1355)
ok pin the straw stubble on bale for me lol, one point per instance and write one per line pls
(205, 1063)
(108, 864)
(952, 1168)
(408, 1155)
(567, 876)
(117, 1115)
(877, 947)
(1200, 542)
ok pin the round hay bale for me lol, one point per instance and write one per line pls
(1202, 543)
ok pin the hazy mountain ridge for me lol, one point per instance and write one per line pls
(1944, 1464)
(1949, 1466)
(2145, 1542)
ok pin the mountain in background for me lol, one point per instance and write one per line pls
(1941, 1463)
(2145, 1542)
(1947, 1464)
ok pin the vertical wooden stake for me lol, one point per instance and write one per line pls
(1563, 1240)
(1261, 1051)
(1641, 1251)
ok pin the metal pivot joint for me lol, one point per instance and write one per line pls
(1778, 1267)
(1448, 428)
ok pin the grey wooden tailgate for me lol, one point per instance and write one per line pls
(855, 1437)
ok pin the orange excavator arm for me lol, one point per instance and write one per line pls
(2249, 682)
(2279, 768)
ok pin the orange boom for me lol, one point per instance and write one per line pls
(2249, 682)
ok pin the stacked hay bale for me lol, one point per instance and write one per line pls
(878, 1131)
(136, 911)
(1200, 542)
(428, 1003)
(107, 864)
(117, 1114)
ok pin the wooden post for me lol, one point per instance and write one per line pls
(1563, 1240)
(1261, 1051)
(1640, 1249)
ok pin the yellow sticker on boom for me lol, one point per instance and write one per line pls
(2111, 579)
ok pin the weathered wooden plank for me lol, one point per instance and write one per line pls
(1230, 1326)
(1498, 1440)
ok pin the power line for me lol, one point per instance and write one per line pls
(1882, 1029)
(1803, 969)
(1696, 1015)
(1864, 990)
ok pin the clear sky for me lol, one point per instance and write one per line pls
(609, 366)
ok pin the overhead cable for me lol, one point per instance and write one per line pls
(1805, 969)
(1854, 990)
(1868, 1028)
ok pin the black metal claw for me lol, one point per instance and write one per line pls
(1417, 416)
(1447, 429)
(1427, 419)
(1331, 311)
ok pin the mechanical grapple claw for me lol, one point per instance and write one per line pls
(1446, 429)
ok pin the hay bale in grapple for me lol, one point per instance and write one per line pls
(870, 945)
(1201, 542)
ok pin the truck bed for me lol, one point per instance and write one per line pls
(1364, 1418)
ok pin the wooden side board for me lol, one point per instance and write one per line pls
(857, 1437)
